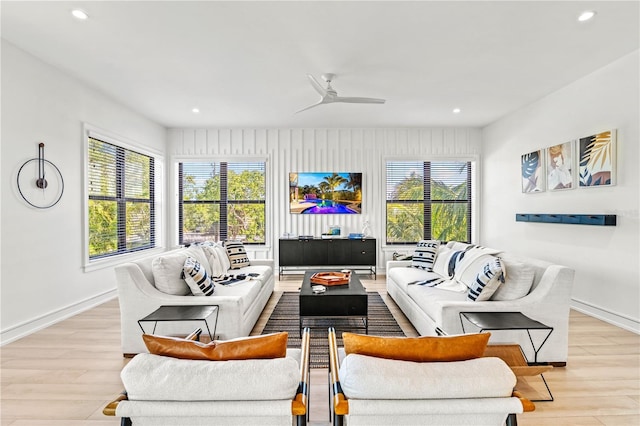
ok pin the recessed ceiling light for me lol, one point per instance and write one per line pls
(456, 110)
(586, 15)
(195, 110)
(80, 14)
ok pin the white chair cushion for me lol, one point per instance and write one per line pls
(366, 377)
(158, 378)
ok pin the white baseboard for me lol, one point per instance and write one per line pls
(26, 328)
(605, 315)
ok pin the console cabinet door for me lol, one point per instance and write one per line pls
(291, 253)
(314, 252)
(363, 252)
(339, 252)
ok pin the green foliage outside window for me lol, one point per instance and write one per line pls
(206, 210)
(120, 199)
(448, 203)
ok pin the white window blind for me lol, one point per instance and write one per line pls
(428, 200)
(121, 200)
(222, 201)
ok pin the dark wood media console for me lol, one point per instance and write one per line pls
(301, 254)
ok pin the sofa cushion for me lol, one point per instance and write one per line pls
(430, 299)
(407, 276)
(237, 254)
(365, 377)
(197, 278)
(487, 281)
(158, 378)
(254, 347)
(417, 349)
(246, 292)
(518, 280)
(424, 256)
(167, 270)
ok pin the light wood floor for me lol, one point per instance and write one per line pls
(66, 374)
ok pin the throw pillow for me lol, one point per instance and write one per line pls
(167, 270)
(209, 249)
(424, 255)
(254, 347)
(197, 278)
(487, 281)
(237, 254)
(518, 280)
(223, 257)
(446, 261)
(418, 349)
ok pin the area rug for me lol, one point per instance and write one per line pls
(285, 317)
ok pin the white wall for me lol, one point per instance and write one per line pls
(606, 259)
(321, 150)
(42, 276)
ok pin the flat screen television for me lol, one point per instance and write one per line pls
(325, 193)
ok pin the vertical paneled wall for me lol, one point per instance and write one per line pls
(319, 150)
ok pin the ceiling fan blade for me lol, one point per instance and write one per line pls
(320, 102)
(316, 85)
(355, 100)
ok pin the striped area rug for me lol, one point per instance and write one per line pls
(285, 317)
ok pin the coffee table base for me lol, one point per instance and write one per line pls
(364, 319)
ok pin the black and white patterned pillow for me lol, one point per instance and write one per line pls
(424, 255)
(487, 281)
(197, 278)
(237, 254)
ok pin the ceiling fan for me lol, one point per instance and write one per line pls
(329, 95)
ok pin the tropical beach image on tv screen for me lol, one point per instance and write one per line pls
(325, 193)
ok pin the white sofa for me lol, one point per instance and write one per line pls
(240, 304)
(431, 309)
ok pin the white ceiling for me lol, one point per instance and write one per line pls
(244, 64)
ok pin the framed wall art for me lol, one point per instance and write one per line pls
(597, 156)
(560, 169)
(532, 171)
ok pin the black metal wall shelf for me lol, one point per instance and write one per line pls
(579, 219)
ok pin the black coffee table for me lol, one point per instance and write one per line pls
(341, 301)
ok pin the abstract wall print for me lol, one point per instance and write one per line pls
(560, 170)
(597, 155)
(532, 172)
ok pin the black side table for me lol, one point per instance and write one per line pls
(183, 313)
(490, 321)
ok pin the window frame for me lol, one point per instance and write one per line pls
(472, 200)
(177, 161)
(107, 260)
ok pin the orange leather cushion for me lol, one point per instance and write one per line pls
(262, 347)
(418, 349)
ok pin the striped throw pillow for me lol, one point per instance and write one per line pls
(424, 255)
(197, 278)
(237, 254)
(487, 281)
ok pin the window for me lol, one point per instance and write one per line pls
(121, 200)
(428, 200)
(222, 201)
